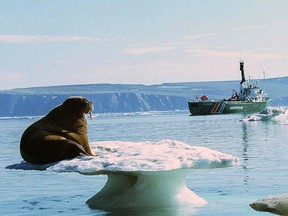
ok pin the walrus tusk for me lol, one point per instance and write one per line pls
(90, 115)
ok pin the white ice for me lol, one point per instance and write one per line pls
(270, 113)
(163, 155)
(142, 174)
(276, 204)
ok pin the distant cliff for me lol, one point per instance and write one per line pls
(38, 101)
(38, 105)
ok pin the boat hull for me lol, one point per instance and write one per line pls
(225, 107)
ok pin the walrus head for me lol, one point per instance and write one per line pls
(78, 106)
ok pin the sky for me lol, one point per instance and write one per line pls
(67, 42)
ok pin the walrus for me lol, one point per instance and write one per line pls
(61, 134)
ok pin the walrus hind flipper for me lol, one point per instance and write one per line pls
(70, 149)
(54, 151)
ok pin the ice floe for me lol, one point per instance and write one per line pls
(142, 174)
(275, 113)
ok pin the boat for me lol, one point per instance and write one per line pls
(249, 99)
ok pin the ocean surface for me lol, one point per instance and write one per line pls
(261, 146)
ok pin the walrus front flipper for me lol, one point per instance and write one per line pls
(52, 151)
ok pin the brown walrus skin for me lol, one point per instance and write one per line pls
(61, 134)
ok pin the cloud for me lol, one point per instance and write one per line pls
(235, 54)
(28, 39)
(249, 27)
(5, 75)
(199, 36)
(213, 53)
(140, 50)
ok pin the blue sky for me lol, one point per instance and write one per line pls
(44, 43)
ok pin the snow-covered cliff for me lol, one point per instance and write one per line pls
(38, 105)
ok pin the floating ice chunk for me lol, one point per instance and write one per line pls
(275, 113)
(145, 174)
(142, 174)
(275, 205)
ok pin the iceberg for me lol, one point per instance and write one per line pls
(142, 174)
(274, 204)
(275, 113)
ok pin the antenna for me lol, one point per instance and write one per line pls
(264, 77)
(242, 72)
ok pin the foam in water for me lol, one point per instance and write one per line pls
(142, 174)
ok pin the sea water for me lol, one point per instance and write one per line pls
(261, 147)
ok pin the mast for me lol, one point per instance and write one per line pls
(242, 72)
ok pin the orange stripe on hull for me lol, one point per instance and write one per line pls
(215, 108)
